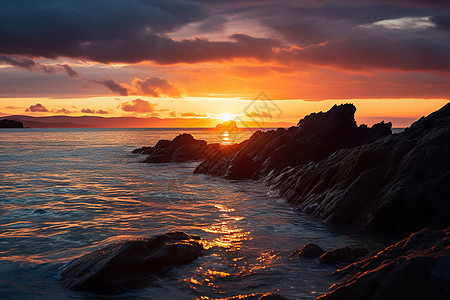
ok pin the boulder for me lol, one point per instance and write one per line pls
(316, 136)
(398, 183)
(183, 148)
(417, 267)
(130, 263)
(309, 251)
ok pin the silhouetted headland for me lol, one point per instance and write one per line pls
(5, 123)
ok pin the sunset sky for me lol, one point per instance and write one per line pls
(210, 59)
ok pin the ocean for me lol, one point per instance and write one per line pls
(66, 192)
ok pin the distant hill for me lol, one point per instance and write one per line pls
(118, 122)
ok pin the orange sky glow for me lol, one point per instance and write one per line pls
(211, 60)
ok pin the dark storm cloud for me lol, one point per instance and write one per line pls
(366, 53)
(115, 31)
(342, 33)
(114, 87)
(348, 35)
(31, 65)
(442, 21)
(156, 87)
(214, 23)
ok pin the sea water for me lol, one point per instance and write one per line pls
(66, 192)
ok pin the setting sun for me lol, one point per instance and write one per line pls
(226, 116)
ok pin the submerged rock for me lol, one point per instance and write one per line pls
(399, 183)
(316, 136)
(183, 148)
(129, 264)
(335, 256)
(309, 251)
(417, 267)
(5, 123)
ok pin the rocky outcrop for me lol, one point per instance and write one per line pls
(183, 148)
(5, 123)
(417, 267)
(129, 264)
(399, 183)
(229, 126)
(316, 136)
(309, 251)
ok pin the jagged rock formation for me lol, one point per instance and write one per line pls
(417, 267)
(5, 123)
(129, 264)
(183, 148)
(316, 136)
(399, 183)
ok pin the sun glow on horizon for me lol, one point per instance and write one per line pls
(225, 117)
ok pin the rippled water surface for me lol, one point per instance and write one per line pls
(65, 192)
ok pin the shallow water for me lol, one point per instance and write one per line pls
(65, 192)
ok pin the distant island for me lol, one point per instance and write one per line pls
(5, 123)
(226, 126)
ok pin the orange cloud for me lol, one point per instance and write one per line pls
(37, 108)
(139, 106)
(91, 111)
(193, 114)
(155, 87)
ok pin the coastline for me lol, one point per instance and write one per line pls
(432, 132)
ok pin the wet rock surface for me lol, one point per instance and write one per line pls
(398, 183)
(343, 255)
(316, 136)
(309, 251)
(417, 267)
(335, 256)
(130, 263)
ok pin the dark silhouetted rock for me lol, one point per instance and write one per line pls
(317, 136)
(183, 148)
(399, 183)
(309, 251)
(5, 123)
(417, 267)
(129, 264)
(343, 255)
(336, 256)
